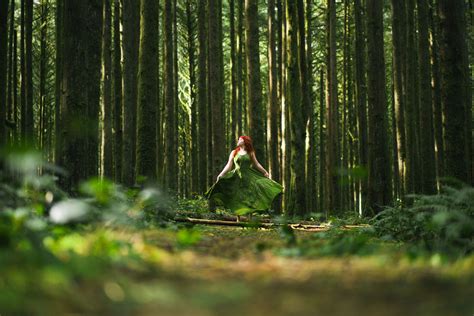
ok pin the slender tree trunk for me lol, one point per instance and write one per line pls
(107, 145)
(311, 167)
(131, 43)
(202, 96)
(216, 87)
(29, 124)
(322, 153)
(273, 97)
(74, 155)
(380, 192)
(3, 69)
(147, 94)
(22, 74)
(305, 88)
(428, 167)
(399, 61)
(58, 80)
(16, 109)
(411, 122)
(11, 61)
(191, 26)
(453, 52)
(42, 85)
(117, 94)
(256, 114)
(297, 201)
(171, 146)
(239, 67)
(233, 63)
(332, 156)
(93, 64)
(437, 109)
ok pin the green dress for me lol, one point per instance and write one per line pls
(244, 189)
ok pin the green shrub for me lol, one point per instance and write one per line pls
(441, 222)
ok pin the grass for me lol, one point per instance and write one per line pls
(211, 270)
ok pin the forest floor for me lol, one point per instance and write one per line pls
(220, 270)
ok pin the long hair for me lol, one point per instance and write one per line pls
(248, 144)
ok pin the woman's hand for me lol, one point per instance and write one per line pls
(266, 174)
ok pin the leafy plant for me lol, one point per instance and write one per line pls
(442, 222)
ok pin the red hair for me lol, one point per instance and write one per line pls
(248, 144)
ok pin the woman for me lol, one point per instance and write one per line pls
(247, 187)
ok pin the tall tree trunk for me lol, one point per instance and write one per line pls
(453, 52)
(29, 124)
(233, 74)
(202, 96)
(411, 107)
(428, 167)
(107, 145)
(191, 26)
(58, 93)
(131, 43)
(305, 87)
(399, 61)
(11, 62)
(117, 94)
(254, 87)
(74, 156)
(437, 109)
(44, 6)
(216, 87)
(380, 192)
(322, 152)
(332, 143)
(297, 200)
(22, 74)
(239, 67)
(16, 109)
(93, 64)
(147, 94)
(273, 97)
(311, 168)
(3, 69)
(171, 146)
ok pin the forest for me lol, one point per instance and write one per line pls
(116, 116)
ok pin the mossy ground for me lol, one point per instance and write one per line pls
(215, 270)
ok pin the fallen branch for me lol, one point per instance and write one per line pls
(299, 226)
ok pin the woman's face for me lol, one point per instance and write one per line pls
(240, 141)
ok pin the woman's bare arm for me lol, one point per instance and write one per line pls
(258, 165)
(228, 166)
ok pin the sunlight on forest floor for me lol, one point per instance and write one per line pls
(210, 270)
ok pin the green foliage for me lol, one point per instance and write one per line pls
(187, 237)
(442, 222)
(337, 242)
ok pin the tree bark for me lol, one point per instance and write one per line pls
(332, 143)
(380, 192)
(202, 96)
(297, 200)
(131, 43)
(256, 114)
(117, 94)
(107, 155)
(3, 69)
(216, 87)
(171, 151)
(453, 52)
(428, 167)
(399, 61)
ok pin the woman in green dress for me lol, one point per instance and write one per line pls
(244, 186)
